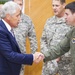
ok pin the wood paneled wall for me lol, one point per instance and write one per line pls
(39, 11)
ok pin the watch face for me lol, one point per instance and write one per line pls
(3, 1)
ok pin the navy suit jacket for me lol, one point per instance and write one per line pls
(10, 56)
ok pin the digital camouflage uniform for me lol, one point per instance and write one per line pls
(25, 29)
(54, 31)
(68, 43)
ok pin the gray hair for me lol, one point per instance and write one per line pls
(9, 8)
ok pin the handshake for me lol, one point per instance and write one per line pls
(37, 57)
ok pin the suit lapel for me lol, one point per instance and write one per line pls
(9, 34)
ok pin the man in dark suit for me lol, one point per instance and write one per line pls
(10, 56)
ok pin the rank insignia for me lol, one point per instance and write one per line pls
(73, 40)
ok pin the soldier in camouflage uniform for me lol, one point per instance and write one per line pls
(25, 29)
(54, 31)
(68, 43)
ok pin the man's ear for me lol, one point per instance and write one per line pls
(74, 16)
(64, 4)
(8, 16)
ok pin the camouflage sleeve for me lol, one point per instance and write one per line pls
(57, 51)
(43, 41)
(45, 35)
(32, 38)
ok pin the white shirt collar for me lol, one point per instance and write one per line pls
(7, 25)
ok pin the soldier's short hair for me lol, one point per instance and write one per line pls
(62, 1)
(71, 6)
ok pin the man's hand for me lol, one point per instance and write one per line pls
(38, 57)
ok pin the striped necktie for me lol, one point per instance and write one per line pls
(12, 32)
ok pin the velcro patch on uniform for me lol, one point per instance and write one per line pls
(73, 40)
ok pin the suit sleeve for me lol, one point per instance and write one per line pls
(11, 54)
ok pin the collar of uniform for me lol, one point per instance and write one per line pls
(60, 20)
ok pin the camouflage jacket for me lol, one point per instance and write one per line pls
(25, 29)
(54, 31)
(68, 43)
